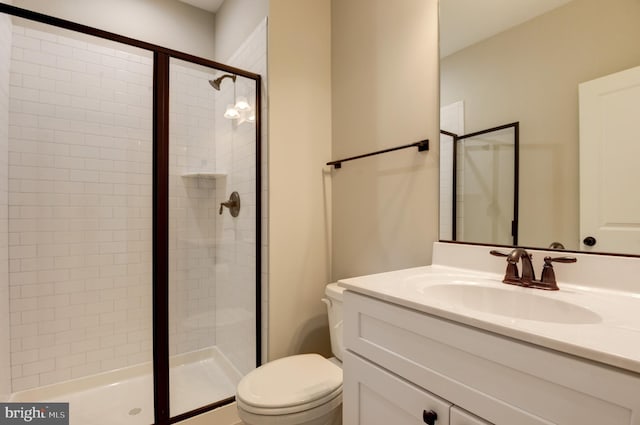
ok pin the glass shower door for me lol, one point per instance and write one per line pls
(212, 234)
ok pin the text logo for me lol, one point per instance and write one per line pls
(34, 413)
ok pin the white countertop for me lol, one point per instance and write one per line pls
(613, 338)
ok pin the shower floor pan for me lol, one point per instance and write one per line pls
(125, 396)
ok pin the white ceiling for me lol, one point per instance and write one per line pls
(465, 22)
(208, 5)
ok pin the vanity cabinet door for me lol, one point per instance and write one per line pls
(462, 417)
(373, 396)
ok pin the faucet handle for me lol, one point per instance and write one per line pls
(511, 275)
(560, 260)
(548, 278)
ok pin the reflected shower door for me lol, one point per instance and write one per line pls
(486, 186)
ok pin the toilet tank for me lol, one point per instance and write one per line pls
(334, 310)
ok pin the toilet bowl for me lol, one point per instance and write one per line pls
(305, 389)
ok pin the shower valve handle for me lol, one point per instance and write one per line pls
(233, 204)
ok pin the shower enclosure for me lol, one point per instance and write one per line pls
(483, 186)
(129, 274)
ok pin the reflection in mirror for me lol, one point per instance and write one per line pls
(528, 68)
(482, 171)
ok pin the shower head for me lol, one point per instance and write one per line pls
(216, 83)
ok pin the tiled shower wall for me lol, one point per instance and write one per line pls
(5, 57)
(80, 142)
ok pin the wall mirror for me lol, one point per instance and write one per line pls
(540, 63)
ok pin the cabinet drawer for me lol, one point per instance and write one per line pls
(373, 396)
(459, 416)
(503, 380)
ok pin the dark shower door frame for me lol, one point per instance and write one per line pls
(516, 173)
(160, 190)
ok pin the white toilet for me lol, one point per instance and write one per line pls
(298, 390)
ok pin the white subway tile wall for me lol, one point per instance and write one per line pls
(5, 354)
(80, 144)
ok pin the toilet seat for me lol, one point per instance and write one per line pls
(290, 385)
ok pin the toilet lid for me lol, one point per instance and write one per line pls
(291, 381)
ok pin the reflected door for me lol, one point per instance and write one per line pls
(609, 151)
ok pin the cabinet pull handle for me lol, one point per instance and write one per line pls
(429, 417)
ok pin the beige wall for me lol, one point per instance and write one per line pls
(531, 74)
(234, 22)
(385, 94)
(168, 23)
(380, 66)
(299, 65)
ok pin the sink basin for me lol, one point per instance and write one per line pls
(510, 302)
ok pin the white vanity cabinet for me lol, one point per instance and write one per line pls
(401, 363)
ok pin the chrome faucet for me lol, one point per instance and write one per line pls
(528, 277)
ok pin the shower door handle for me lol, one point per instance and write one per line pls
(233, 204)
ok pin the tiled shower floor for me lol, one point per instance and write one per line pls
(129, 400)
